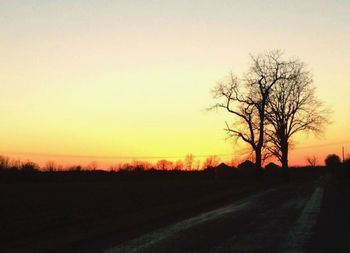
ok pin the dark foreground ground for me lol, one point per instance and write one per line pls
(172, 213)
(332, 231)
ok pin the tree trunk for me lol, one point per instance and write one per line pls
(258, 151)
(284, 158)
(258, 158)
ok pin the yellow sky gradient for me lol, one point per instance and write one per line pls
(133, 78)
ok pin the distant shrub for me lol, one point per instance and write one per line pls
(75, 168)
(211, 162)
(139, 168)
(51, 166)
(272, 168)
(247, 167)
(29, 167)
(332, 161)
(4, 162)
(164, 165)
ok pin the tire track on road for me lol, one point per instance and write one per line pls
(302, 232)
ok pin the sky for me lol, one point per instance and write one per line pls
(84, 81)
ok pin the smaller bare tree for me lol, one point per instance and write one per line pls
(246, 126)
(178, 165)
(211, 162)
(312, 161)
(50, 166)
(92, 165)
(164, 165)
(188, 163)
(4, 162)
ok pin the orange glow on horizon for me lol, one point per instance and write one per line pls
(298, 157)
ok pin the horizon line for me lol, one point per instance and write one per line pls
(149, 157)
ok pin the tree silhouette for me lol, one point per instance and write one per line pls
(188, 163)
(164, 165)
(312, 161)
(247, 99)
(51, 166)
(293, 107)
(30, 167)
(211, 162)
(332, 162)
(4, 162)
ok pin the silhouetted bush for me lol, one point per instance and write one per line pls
(273, 168)
(75, 168)
(139, 168)
(51, 166)
(4, 163)
(29, 167)
(247, 167)
(332, 161)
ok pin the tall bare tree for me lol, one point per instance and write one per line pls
(293, 107)
(247, 99)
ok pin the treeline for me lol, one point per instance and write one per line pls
(15, 170)
(188, 164)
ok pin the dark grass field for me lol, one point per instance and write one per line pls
(85, 212)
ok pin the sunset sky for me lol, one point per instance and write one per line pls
(132, 79)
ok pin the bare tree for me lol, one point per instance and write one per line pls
(4, 162)
(164, 165)
(293, 107)
(312, 161)
(179, 165)
(188, 163)
(92, 165)
(247, 99)
(50, 166)
(211, 162)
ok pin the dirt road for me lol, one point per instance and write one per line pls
(282, 219)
